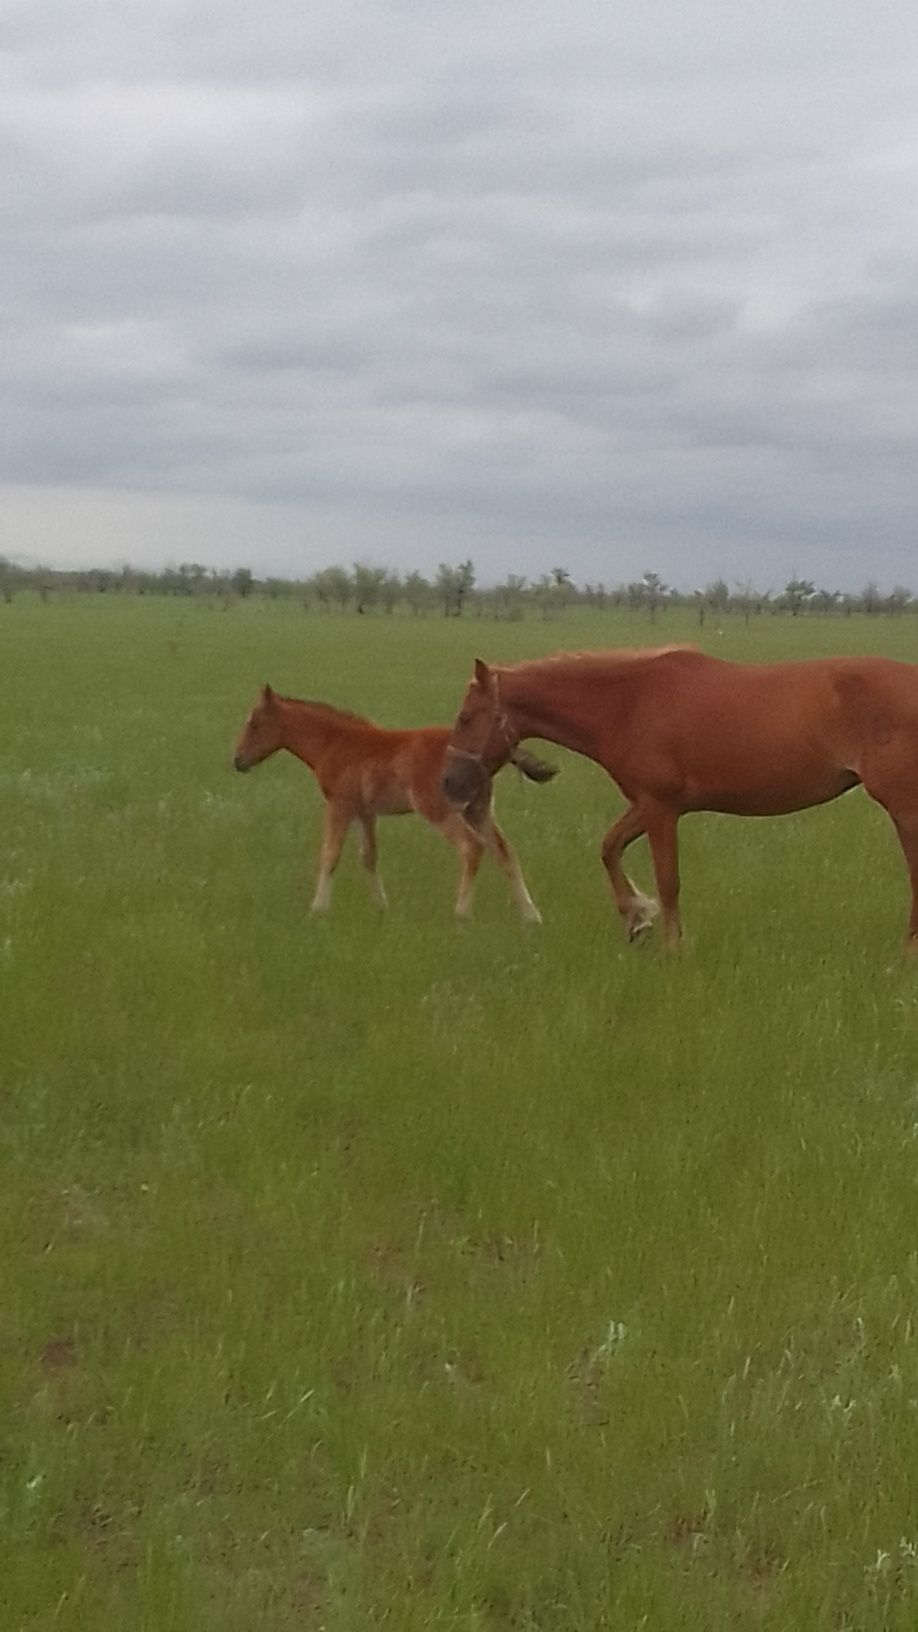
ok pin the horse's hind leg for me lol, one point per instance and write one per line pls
(661, 836)
(368, 855)
(637, 911)
(897, 791)
(907, 829)
(334, 831)
(507, 860)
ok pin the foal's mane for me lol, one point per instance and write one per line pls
(326, 711)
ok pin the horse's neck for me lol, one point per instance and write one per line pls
(307, 731)
(556, 705)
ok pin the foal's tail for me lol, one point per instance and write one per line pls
(535, 769)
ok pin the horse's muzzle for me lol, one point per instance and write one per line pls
(240, 763)
(462, 778)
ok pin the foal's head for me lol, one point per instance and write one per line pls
(261, 734)
(481, 740)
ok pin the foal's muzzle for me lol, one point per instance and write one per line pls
(240, 763)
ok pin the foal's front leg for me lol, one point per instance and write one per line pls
(368, 857)
(507, 860)
(470, 850)
(334, 831)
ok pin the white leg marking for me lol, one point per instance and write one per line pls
(321, 901)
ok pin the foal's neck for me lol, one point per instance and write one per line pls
(308, 728)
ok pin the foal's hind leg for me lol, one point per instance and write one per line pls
(637, 911)
(506, 858)
(368, 857)
(335, 828)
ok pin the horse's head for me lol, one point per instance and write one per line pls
(481, 741)
(261, 734)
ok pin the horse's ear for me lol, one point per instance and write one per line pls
(482, 674)
(267, 695)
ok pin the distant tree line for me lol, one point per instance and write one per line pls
(453, 591)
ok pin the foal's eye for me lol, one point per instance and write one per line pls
(465, 719)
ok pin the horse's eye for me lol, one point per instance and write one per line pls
(465, 719)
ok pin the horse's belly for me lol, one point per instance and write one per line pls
(774, 796)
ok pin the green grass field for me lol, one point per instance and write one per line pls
(378, 1271)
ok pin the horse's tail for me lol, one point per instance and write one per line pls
(535, 769)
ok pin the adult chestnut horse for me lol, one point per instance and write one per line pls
(680, 731)
(365, 772)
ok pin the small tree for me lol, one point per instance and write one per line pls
(563, 586)
(465, 583)
(417, 592)
(544, 593)
(870, 598)
(320, 587)
(454, 586)
(243, 582)
(655, 593)
(367, 582)
(390, 590)
(340, 586)
(747, 600)
(798, 594)
(510, 597)
(826, 600)
(717, 596)
(445, 586)
(898, 599)
(193, 577)
(7, 580)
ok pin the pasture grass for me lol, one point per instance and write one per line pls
(380, 1271)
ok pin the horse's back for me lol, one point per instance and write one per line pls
(705, 733)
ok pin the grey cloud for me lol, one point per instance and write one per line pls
(547, 281)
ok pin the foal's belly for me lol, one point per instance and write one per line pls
(390, 802)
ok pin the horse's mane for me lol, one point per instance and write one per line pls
(326, 711)
(623, 658)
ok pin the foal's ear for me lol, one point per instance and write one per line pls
(482, 674)
(267, 695)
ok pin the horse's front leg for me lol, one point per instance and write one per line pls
(637, 911)
(907, 829)
(661, 835)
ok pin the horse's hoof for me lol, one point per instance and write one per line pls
(637, 933)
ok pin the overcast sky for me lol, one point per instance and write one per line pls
(614, 287)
